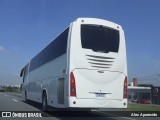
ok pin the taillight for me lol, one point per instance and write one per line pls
(72, 85)
(125, 95)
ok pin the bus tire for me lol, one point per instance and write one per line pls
(44, 102)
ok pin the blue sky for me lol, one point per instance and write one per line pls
(27, 26)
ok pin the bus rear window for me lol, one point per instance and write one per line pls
(99, 38)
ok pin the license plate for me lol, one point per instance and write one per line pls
(100, 95)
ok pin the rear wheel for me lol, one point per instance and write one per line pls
(44, 102)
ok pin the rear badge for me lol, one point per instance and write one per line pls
(100, 71)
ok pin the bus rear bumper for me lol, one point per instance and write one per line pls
(97, 103)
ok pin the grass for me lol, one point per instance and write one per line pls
(142, 107)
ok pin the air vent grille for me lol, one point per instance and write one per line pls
(100, 61)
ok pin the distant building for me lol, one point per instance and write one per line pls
(137, 92)
(135, 82)
(143, 94)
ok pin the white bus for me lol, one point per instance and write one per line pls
(84, 67)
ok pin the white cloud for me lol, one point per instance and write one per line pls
(1, 48)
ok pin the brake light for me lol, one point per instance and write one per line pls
(72, 85)
(125, 95)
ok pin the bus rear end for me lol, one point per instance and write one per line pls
(97, 65)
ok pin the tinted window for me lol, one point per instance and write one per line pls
(55, 49)
(99, 38)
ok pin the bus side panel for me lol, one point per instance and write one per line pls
(45, 78)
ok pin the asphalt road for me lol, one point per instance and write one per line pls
(10, 102)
